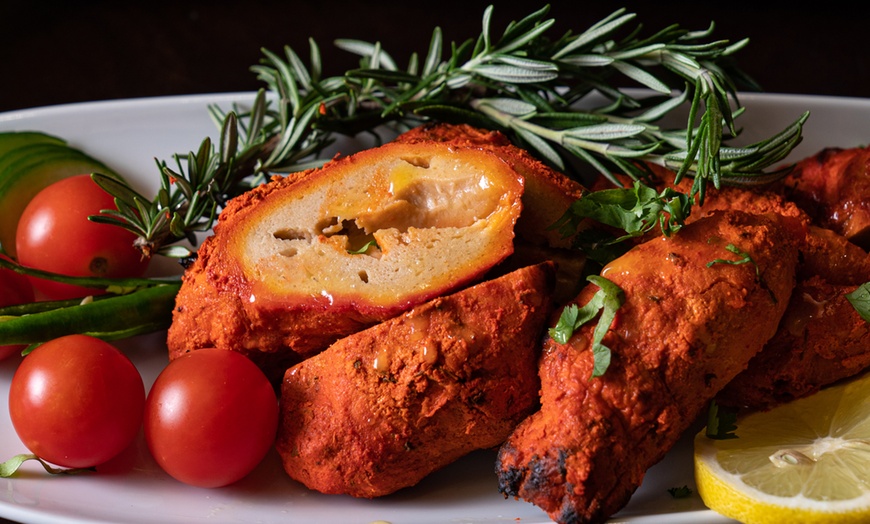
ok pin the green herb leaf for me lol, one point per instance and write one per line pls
(681, 492)
(745, 258)
(635, 210)
(605, 302)
(362, 250)
(721, 422)
(860, 300)
(11, 466)
(567, 323)
(540, 89)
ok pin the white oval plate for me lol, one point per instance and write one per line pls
(129, 135)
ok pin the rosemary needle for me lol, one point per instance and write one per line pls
(558, 97)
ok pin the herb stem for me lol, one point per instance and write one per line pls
(534, 87)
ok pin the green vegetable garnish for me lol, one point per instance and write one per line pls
(143, 306)
(364, 248)
(860, 300)
(556, 96)
(605, 302)
(8, 468)
(680, 493)
(721, 422)
(745, 258)
(635, 210)
(559, 96)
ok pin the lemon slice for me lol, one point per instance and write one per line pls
(803, 462)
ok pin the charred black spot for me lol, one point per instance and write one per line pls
(708, 379)
(543, 469)
(509, 478)
(187, 261)
(509, 481)
(563, 461)
(478, 398)
(569, 515)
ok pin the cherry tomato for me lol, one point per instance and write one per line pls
(76, 401)
(14, 289)
(211, 417)
(54, 234)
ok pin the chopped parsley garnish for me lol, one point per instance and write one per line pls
(860, 300)
(680, 493)
(606, 301)
(721, 422)
(635, 210)
(745, 258)
(363, 249)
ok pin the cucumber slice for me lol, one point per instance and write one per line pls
(10, 140)
(26, 170)
(22, 158)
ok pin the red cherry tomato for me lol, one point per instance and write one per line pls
(211, 417)
(14, 289)
(76, 401)
(54, 234)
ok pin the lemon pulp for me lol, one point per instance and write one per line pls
(806, 461)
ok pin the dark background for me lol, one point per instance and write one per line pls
(61, 52)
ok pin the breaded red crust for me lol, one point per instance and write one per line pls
(820, 341)
(379, 410)
(833, 187)
(690, 322)
(297, 263)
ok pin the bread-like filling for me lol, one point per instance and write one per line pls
(380, 227)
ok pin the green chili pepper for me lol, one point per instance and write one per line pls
(142, 311)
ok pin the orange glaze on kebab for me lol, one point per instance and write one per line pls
(822, 338)
(686, 328)
(380, 409)
(833, 187)
(435, 210)
(820, 341)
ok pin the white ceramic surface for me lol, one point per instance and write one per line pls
(129, 135)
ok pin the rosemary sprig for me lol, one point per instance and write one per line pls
(558, 97)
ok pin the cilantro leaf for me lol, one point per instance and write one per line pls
(564, 328)
(363, 249)
(860, 300)
(635, 210)
(745, 258)
(721, 422)
(680, 493)
(605, 301)
(8, 468)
